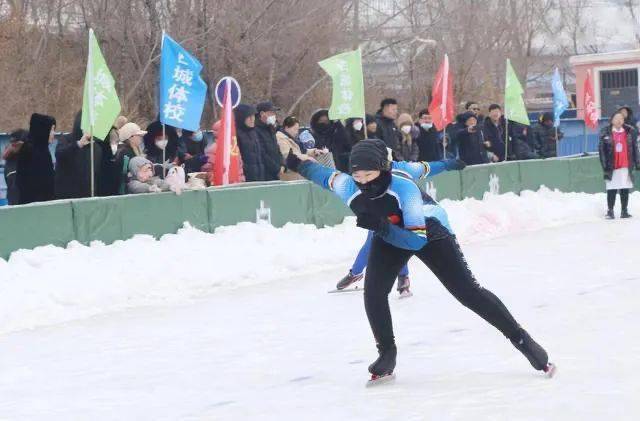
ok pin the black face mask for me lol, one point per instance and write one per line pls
(376, 187)
(323, 127)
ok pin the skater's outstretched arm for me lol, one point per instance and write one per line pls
(424, 169)
(340, 183)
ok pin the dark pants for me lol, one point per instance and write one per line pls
(444, 258)
(624, 198)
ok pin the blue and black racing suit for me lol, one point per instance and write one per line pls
(417, 225)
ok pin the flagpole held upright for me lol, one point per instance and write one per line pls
(92, 115)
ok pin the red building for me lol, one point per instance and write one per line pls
(615, 80)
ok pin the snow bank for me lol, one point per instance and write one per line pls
(52, 284)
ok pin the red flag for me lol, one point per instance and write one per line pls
(589, 105)
(442, 107)
(226, 155)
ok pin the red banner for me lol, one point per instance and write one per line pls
(589, 105)
(442, 107)
(226, 154)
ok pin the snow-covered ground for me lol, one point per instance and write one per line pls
(238, 325)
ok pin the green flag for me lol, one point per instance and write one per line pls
(100, 104)
(513, 102)
(347, 99)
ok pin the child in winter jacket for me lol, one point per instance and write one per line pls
(142, 179)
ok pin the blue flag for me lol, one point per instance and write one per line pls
(560, 102)
(182, 90)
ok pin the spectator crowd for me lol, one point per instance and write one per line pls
(131, 160)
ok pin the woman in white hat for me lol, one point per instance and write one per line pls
(130, 136)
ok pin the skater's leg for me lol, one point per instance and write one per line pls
(385, 261)
(404, 271)
(362, 257)
(446, 261)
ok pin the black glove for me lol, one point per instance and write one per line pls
(292, 161)
(608, 175)
(454, 164)
(372, 222)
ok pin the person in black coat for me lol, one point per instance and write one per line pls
(73, 163)
(191, 147)
(35, 174)
(10, 157)
(387, 130)
(544, 137)
(355, 133)
(471, 146)
(333, 136)
(493, 131)
(155, 142)
(249, 144)
(266, 127)
(429, 138)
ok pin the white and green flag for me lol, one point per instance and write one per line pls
(513, 101)
(100, 104)
(347, 100)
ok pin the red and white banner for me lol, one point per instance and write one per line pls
(442, 107)
(589, 104)
(226, 159)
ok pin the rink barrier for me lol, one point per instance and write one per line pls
(118, 218)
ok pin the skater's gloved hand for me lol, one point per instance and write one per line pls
(293, 161)
(454, 164)
(371, 222)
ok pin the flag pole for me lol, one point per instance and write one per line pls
(506, 138)
(164, 138)
(91, 113)
(557, 142)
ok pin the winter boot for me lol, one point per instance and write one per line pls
(349, 279)
(625, 214)
(610, 214)
(386, 361)
(404, 284)
(536, 355)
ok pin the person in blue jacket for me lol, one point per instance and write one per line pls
(415, 171)
(407, 222)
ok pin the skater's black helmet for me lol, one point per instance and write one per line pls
(369, 155)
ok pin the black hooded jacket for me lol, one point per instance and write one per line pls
(271, 155)
(605, 149)
(471, 144)
(154, 153)
(388, 132)
(73, 164)
(35, 174)
(249, 145)
(332, 136)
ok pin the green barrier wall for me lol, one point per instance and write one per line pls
(117, 218)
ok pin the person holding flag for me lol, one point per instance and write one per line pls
(405, 221)
(514, 108)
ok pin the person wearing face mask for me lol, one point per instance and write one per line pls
(429, 138)
(408, 147)
(107, 185)
(266, 127)
(34, 169)
(191, 147)
(407, 222)
(386, 129)
(156, 141)
(471, 148)
(372, 126)
(249, 144)
(355, 132)
(331, 135)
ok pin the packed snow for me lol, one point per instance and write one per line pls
(238, 324)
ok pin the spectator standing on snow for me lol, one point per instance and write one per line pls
(429, 138)
(35, 174)
(266, 126)
(249, 144)
(619, 157)
(10, 157)
(408, 147)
